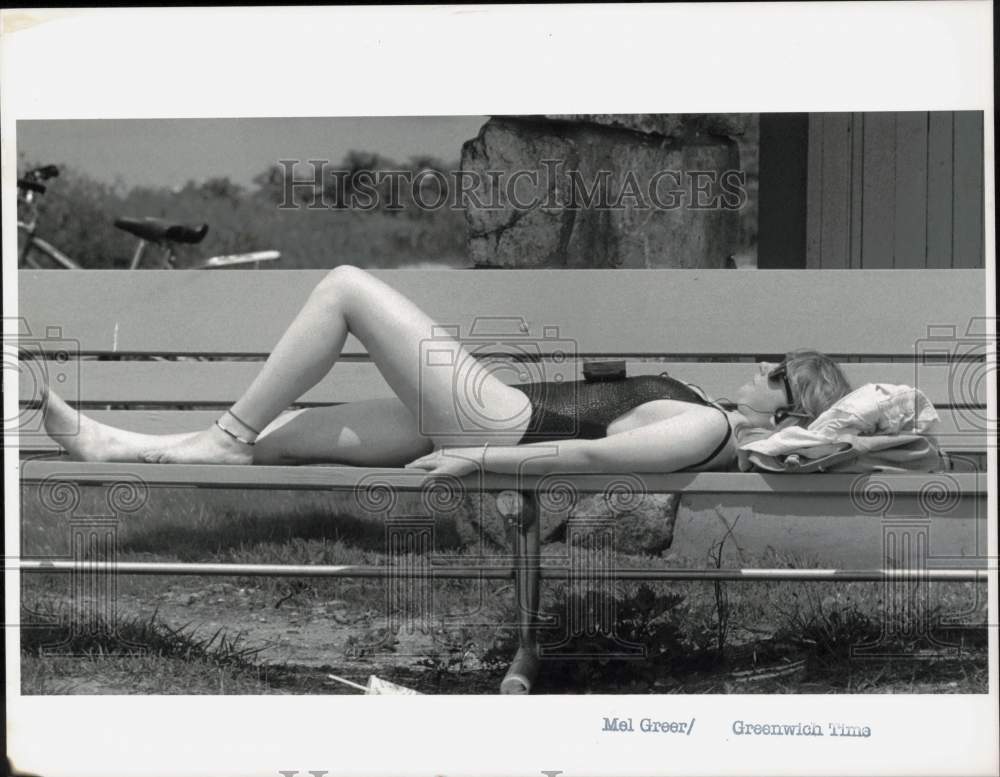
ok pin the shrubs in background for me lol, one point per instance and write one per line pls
(78, 212)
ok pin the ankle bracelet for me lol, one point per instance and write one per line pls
(235, 436)
(243, 423)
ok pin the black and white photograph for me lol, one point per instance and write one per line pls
(639, 435)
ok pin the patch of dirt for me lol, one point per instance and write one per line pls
(305, 633)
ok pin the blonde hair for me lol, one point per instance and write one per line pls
(817, 382)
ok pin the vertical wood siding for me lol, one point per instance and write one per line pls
(895, 190)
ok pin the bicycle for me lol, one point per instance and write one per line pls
(149, 230)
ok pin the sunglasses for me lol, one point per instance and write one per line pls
(781, 373)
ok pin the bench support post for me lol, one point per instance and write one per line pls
(521, 510)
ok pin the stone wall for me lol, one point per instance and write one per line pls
(629, 190)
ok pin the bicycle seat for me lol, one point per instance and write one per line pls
(159, 230)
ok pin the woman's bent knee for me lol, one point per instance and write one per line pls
(346, 273)
(339, 280)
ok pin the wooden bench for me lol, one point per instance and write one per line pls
(707, 327)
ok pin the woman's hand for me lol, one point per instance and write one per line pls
(450, 461)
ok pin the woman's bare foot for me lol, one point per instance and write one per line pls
(84, 439)
(87, 440)
(212, 446)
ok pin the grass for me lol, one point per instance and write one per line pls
(131, 655)
(274, 635)
(144, 675)
(53, 630)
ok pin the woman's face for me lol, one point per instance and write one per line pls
(758, 398)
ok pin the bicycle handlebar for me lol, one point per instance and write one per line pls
(30, 182)
(31, 186)
(43, 173)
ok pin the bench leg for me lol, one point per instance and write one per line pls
(522, 510)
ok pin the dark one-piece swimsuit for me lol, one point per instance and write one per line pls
(584, 409)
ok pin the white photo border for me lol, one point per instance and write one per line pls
(482, 60)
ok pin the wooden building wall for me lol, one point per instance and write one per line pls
(895, 190)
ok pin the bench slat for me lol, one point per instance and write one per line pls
(861, 312)
(952, 435)
(200, 382)
(966, 485)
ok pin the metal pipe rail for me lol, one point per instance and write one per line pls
(502, 573)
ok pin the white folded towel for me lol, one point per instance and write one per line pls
(873, 409)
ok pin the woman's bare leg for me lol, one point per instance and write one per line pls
(455, 401)
(366, 433)
(373, 432)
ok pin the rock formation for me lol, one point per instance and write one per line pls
(605, 191)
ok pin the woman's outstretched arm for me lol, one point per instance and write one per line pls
(670, 445)
(665, 446)
(531, 459)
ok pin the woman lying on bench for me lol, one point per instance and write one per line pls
(639, 424)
